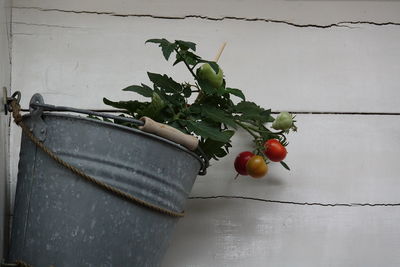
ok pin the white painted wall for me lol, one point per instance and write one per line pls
(339, 206)
(5, 74)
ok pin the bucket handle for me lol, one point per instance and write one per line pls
(37, 106)
(48, 107)
(145, 124)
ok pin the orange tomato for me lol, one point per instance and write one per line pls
(256, 167)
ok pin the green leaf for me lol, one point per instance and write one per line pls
(251, 111)
(206, 87)
(285, 165)
(186, 45)
(174, 99)
(164, 82)
(131, 106)
(190, 58)
(217, 115)
(156, 41)
(215, 149)
(202, 129)
(187, 91)
(177, 125)
(167, 50)
(154, 108)
(214, 66)
(222, 90)
(166, 47)
(195, 109)
(236, 92)
(143, 90)
(248, 107)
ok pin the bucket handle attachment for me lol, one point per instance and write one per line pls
(38, 127)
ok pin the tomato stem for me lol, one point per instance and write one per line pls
(187, 65)
(247, 128)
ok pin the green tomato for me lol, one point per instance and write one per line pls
(284, 121)
(205, 72)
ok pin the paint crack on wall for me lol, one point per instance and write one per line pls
(298, 203)
(44, 25)
(343, 24)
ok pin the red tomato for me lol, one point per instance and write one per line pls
(241, 161)
(274, 150)
(256, 167)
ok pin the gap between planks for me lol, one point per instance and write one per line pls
(277, 112)
(341, 24)
(297, 203)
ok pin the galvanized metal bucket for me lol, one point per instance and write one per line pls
(62, 220)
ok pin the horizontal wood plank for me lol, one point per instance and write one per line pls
(302, 12)
(76, 59)
(248, 233)
(334, 159)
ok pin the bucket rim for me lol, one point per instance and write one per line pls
(125, 128)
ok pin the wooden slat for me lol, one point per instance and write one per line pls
(303, 12)
(248, 233)
(76, 59)
(334, 159)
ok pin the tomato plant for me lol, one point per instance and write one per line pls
(241, 161)
(204, 107)
(274, 150)
(257, 167)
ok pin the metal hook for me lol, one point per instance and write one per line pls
(205, 163)
(16, 95)
(7, 100)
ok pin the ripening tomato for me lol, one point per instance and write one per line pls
(256, 167)
(284, 121)
(241, 160)
(274, 150)
(207, 73)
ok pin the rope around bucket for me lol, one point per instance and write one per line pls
(17, 263)
(16, 112)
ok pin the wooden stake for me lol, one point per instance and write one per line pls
(220, 52)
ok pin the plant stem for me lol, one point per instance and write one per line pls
(187, 65)
(193, 74)
(246, 127)
(194, 85)
(194, 66)
(257, 130)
